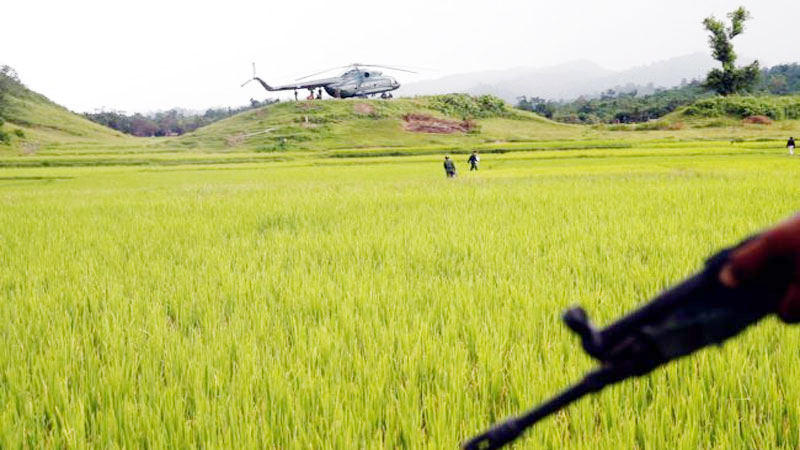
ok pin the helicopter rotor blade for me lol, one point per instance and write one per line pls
(357, 66)
(400, 68)
(387, 67)
(321, 72)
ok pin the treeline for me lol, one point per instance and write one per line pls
(616, 107)
(780, 80)
(628, 105)
(9, 84)
(167, 123)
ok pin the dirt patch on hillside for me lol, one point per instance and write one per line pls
(363, 108)
(423, 123)
(234, 140)
(758, 120)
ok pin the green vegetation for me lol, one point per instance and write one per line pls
(776, 108)
(782, 79)
(371, 303)
(48, 135)
(469, 107)
(8, 81)
(631, 106)
(167, 123)
(616, 107)
(729, 80)
(33, 121)
(325, 125)
(302, 275)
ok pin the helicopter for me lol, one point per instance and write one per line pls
(358, 81)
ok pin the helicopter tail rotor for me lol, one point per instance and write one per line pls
(254, 76)
(263, 83)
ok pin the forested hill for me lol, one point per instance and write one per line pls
(628, 105)
(174, 122)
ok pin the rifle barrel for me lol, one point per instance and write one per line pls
(509, 430)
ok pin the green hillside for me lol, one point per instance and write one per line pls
(50, 135)
(384, 127)
(730, 110)
(426, 121)
(33, 121)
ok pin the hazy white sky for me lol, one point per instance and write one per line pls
(148, 55)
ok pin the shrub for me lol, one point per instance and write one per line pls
(468, 107)
(775, 108)
(4, 137)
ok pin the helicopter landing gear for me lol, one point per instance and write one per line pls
(386, 95)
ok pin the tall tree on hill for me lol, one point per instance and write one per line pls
(729, 80)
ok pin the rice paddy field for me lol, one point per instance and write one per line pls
(371, 303)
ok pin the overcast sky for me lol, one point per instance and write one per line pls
(149, 55)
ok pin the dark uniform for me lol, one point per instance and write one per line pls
(449, 167)
(473, 161)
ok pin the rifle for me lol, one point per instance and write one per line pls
(698, 312)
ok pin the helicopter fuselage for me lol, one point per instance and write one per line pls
(358, 83)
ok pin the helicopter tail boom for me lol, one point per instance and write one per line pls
(264, 83)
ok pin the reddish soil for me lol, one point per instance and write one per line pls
(760, 120)
(422, 123)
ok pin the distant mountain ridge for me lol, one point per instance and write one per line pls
(564, 81)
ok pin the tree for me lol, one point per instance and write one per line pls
(778, 84)
(9, 82)
(729, 80)
(536, 104)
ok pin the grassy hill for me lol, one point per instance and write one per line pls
(33, 121)
(426, 121)
(727, 111)
(53, 136)
(386, 127)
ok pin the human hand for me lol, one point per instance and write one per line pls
(773, 248)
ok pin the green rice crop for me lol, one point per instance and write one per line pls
(372, 303)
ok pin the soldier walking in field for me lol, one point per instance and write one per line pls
(473, 161)
(790, 145)
(449, 167)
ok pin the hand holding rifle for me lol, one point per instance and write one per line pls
(737, 287)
